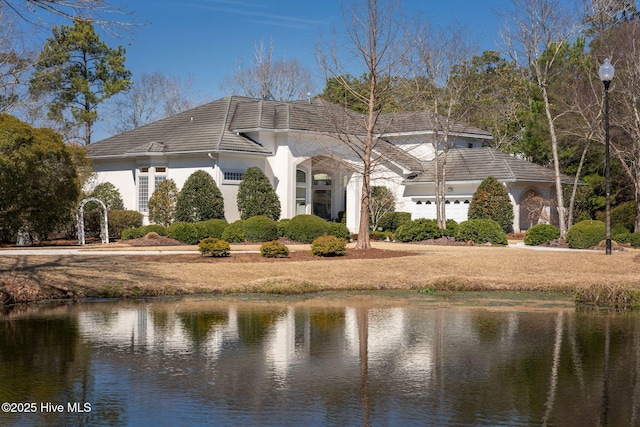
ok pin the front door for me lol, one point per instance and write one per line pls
(322, 195)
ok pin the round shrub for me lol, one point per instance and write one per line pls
(260, 229)
(200, 199)
(234, 233)
(452, 228)
(586, 234)
(634, 239)
(154, 228)
(256, 196)
(274, 249)
(132, 233)
(281, 226)
(184, 232)
(418, 230)
(541, 233)
(152, 235)
(481, 231)
(328, 246)
(623, 214)
(305, 228)
(211, 228)
(620, 234)
(340, 230)
(214, 247)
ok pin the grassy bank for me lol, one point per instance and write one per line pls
(458, 268)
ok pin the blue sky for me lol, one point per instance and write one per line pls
(204, 39)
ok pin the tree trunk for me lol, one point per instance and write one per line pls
(556, 163)
(575, 185)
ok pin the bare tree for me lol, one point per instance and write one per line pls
(152, 97)
(383, 201)
(375, 42)
(536, 34)
(448, 86)
(15, 63)
(270, 78)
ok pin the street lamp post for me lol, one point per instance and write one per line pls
(606, 75)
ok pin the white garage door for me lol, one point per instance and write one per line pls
(456, 209)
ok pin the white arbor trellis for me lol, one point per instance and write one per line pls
(104, 228)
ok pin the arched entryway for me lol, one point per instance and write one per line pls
(104, 227)
(534, 209)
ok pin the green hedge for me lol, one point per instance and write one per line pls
(305, 228)
(340, 230)
(260, 228)
(586, 234)
(541, 233)
(211, 228)
(185, 232)
(234, 233)
(634, 239)
(481, 231)
(418, 230)
(327, 246)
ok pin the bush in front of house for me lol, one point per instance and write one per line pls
(138, 232)
(390, 221)
(108, 194)
(481, 231)
(281, 226)
(260, 229)
(234, 233)
(305, 228)
(327, 246)
(256, 196)
(184, 232)
(620, 234)
(131, 233)
(340, 230)
(541, 233)
(211, 228)
(214, 247)
(491, 201)
(120, 220)
(162, 203)
(586, 234)
(634, 239)
(200, 199)
(274, 249)
(451, 229)
(418, 230)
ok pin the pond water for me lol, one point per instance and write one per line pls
(371, 359)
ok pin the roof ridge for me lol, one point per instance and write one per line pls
(223, 128)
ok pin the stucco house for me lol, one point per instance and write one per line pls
(303, 147)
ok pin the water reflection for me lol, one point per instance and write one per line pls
(363, 360)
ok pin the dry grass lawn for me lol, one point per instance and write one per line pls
(28, 277)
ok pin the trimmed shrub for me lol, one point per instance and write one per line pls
(162, 204)
(152, 235)
(328, 246)
(620, 234)
(586, 234)
(340, 230)
(305, 228)
(256, 196)
(481, 231)
(184, 232)
(634, 239)
(260, 229)
(390, 221)
(132, 233)
(214, 247)
(541, 233)
(234, 233)
(200, 199)
(452, 228)
(155, 228)
(281, 226)
(274, 249)
(491, 201)
(418, 230)
(211, 228)
(120, 220)
(623, 214)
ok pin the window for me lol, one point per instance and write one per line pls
(233, 176)
(301, 192)
(143, 193)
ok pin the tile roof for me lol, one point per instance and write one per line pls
(476, 164)
(218, 127)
